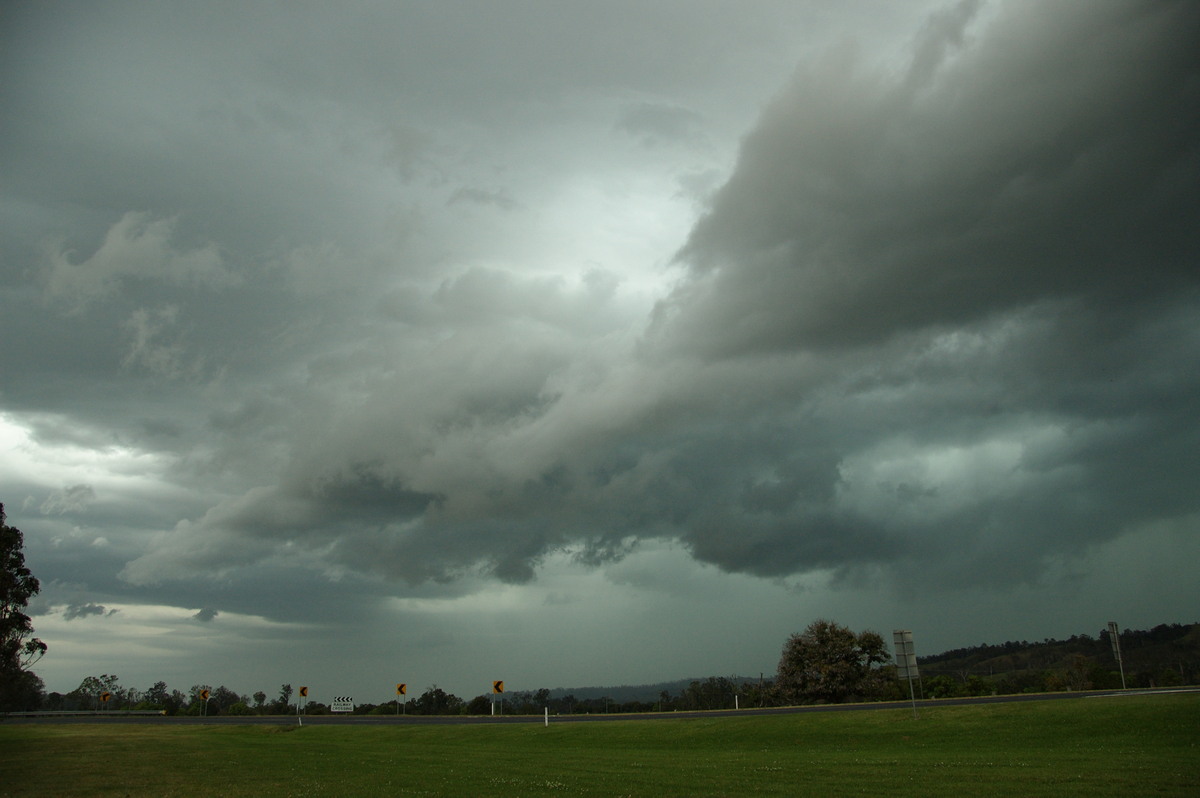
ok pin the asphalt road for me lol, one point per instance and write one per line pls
(391, 720)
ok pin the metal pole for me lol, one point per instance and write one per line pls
(1114, 637)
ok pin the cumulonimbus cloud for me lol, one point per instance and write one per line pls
(934, 316)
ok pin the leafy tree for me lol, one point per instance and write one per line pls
(19, 688)
(221, 698)
(828, 663)
(715, 692)
(436, 701)
(943, 686)
(285, 697)
(260, 698)
(157, 696)
(87, 694)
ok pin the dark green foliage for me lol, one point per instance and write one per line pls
(828, 663)
(19, 689)
(435, 701)
(1166, 655)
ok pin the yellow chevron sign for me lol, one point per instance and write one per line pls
(401, 689)
(498, 687)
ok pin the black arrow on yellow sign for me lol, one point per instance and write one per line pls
(402, 689)
(304, 692)
(498, 687)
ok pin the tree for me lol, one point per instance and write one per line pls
(285, 697)
(19, 688)
(436, 701)
(157, 696)
(828, 663)
(221, 698)
(88, 694)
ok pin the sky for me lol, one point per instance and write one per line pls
(592, 343)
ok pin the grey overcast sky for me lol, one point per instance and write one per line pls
(592, 343)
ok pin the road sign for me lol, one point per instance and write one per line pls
(105, 696)
(304, 692)
(1114, 637)
(906, 655)
(342, 703)
(203, 695)
(906, 662)
(402, 689)
(498, 687)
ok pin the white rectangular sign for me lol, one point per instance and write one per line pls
(341, 703)
(906, 655)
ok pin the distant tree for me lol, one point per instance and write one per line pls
(828, 663)
(757, 693)
(157, 695)
(943, 686)
(89, 693)
(260, 698)
(283, 703)
(1078, 672)
(436, 701)
(177, 701)
(19, 650)
(223, 697)
(197, 704)
(715, 692)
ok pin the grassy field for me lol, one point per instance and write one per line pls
(1121, 746)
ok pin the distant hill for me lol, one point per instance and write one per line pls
(1166, 654)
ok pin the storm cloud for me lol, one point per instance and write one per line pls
(399, 313)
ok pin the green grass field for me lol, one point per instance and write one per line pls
(1121, 746)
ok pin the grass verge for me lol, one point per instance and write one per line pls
(1121, 746)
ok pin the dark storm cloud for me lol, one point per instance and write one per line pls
(991, 251)
(930, 318)
(1053, 156)
(76, 611)
(936, 314)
